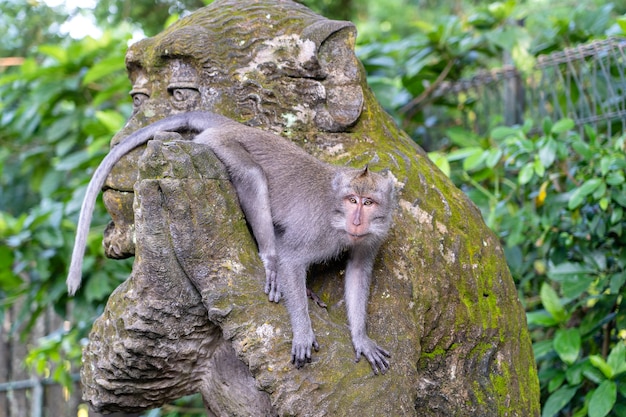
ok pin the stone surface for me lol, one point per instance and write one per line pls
(193, 316)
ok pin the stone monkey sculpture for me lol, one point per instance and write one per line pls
(301, 211)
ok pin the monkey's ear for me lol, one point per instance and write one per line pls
(365, 172)
(340, 181)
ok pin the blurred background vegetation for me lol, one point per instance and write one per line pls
(554, 193)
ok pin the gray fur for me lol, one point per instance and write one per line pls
(301, 211)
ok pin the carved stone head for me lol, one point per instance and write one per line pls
(279, 67)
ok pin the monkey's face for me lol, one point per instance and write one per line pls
(365, 204)
(359, 213)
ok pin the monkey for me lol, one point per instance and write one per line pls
(301, 211)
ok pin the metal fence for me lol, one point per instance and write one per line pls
(24, 394)
(586, 83)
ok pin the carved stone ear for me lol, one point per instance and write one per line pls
(319, 31)
(335, 41)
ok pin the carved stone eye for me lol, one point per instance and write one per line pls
(138, 99)
(184, 98)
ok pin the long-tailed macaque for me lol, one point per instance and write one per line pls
(301, 211)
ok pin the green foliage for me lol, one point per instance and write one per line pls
(24, 25)
(150, 15)
(553, 194)
(557, 202)
(59, 111)
(406, 71)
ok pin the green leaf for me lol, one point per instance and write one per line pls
(559, 399)
(617, 358)
(463, 137)
(600, 191)
(615, 177)
(604, 203)
(103, 68)
(621, 21)
(563, 271)
(475, 160)
(583, 149)
(57, 52)
(556, 381)
(111, 119)
(599, 362)
(603, 399)
(562, 125)
(552, 303)
(616, 282)
(8, 280)
(502, 132)
(542, 348)
(567, 344)
(616, 214)
(493, 157)
(605, 164)
(547, 153)
(441, 161)
(72, 161)
(594, 374)
(539, 168)
(619, 196)
(574, 373)
(579, 195)
(546, 125)
(540, 318)
(526, 173)
(463, 153)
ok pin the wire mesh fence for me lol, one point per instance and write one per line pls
(586, 83)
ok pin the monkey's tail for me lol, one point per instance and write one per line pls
(84, 220)
(96, 183)
(194, 121)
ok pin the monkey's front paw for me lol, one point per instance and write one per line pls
(301, 350)
(376, 355)
(272, 288)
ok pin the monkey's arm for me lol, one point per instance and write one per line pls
(252, 188)
(193, 121)
(357, 283)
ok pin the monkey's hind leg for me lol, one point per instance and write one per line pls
(252, 189)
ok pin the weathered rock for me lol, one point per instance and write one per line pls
(193, 317)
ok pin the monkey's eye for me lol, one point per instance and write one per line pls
(139, 97)
(352, 200)
(367, 202)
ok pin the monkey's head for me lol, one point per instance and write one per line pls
(365, 204)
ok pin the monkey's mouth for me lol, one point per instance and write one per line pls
(357, 236)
